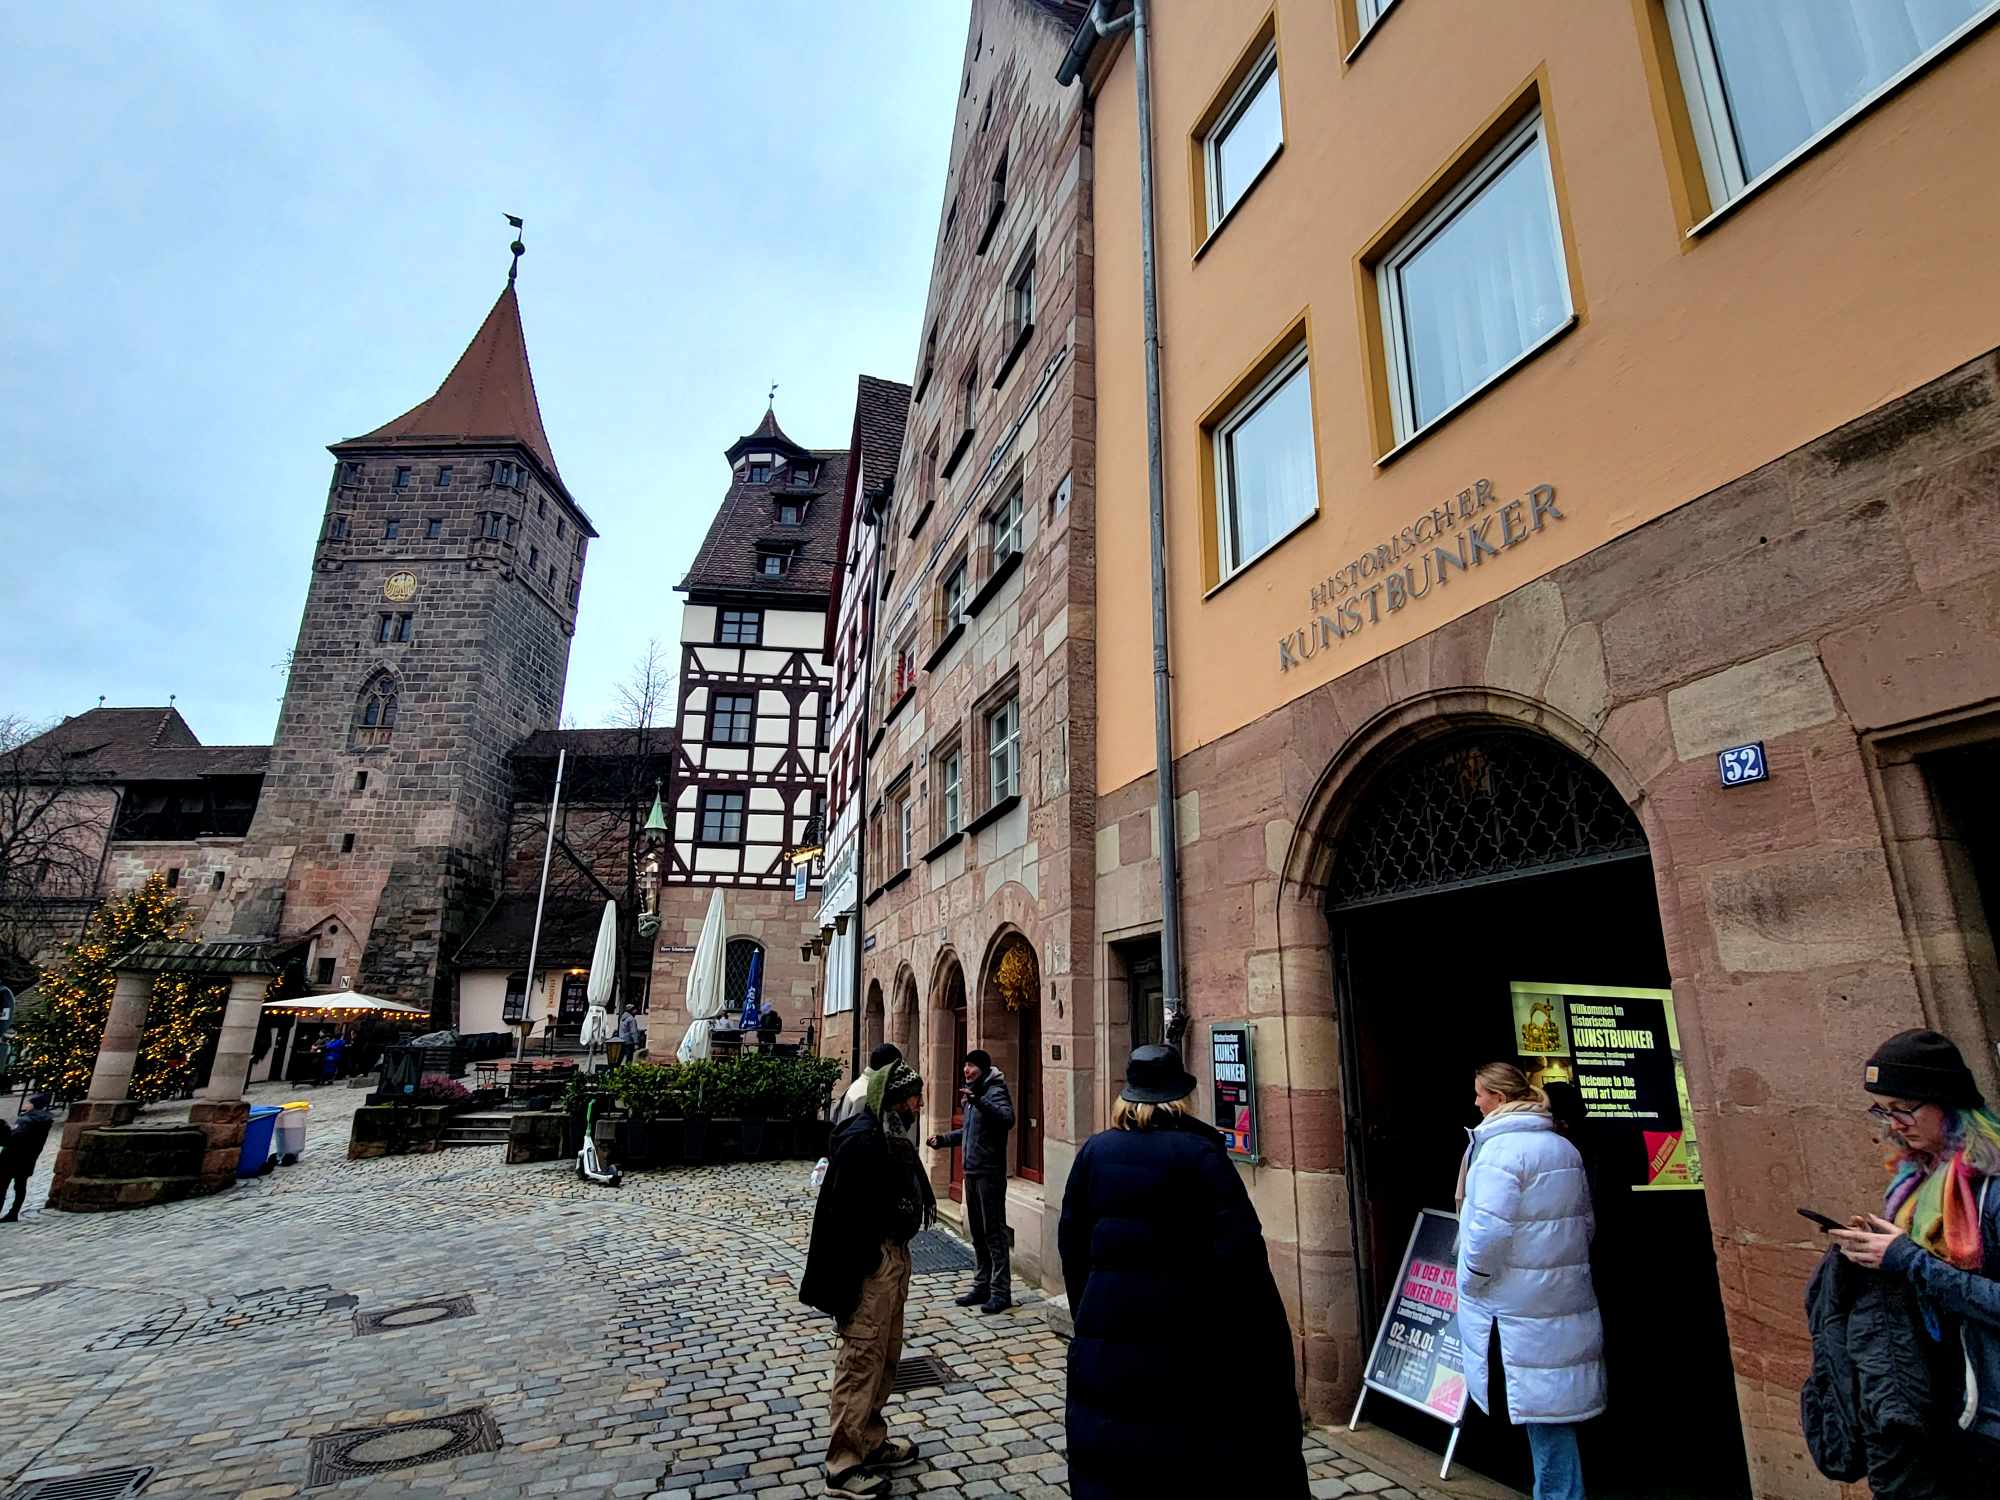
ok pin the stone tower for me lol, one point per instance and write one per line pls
(435, 637)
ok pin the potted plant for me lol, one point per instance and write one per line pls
(695, 1086)
(755, 1093)
(807, 1093)
(646, 1092)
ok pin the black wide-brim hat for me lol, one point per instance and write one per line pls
(1156, 1075)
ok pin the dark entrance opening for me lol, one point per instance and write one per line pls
(1474, 864)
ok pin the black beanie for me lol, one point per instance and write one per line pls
(1922, 1065)
(885, 1054)
(979, 1060)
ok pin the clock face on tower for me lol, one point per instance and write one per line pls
(399, 588)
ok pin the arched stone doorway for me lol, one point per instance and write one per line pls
(872, 1020)
(902, 1020)
(944, 1054)
(1010, 1029)
(1488, 895)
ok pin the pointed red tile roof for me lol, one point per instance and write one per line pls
(489, 394)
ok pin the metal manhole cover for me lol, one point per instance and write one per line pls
(413, 1315)
(105, 1484)
(920, 1372)
(402, 1445)
(933, 1253)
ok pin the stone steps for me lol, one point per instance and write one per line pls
(477, 1130)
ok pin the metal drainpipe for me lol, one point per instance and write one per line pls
(1163, 723)
(1095, 26)
(868, 615)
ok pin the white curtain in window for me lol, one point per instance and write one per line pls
(1269, 480)
(1487, 285)
(1792, 67)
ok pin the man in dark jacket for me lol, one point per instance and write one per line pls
(22, 1149)
(989, 1116)
(874, 1200)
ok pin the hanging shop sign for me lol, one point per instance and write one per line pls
(1417, 1358)
(1232, 1052)
(1457, 536)
(1622, 1051)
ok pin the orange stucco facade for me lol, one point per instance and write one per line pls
(1849, 280)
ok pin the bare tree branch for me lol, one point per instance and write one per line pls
(54, 819)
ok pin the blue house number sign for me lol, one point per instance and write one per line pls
(1742, 764)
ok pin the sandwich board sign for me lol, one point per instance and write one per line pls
(1417, 1358)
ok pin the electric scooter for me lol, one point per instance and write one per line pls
(588, 1167)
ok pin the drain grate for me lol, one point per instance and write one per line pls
(402, 1445)
(934, 1253)
(920, 1372)
(105, 1484)
(413, 1315)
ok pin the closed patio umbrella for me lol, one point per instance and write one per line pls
(704, 984)
(603, 979)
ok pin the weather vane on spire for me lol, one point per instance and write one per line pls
(772, 399)
(517, 247)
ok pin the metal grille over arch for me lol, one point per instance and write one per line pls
(1476, 808)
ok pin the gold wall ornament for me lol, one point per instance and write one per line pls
(399, 588)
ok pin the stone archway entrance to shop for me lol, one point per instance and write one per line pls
(902, 1023)
(1490, 897)
(946, 1048)
(872, 1020)
(1010, 1029)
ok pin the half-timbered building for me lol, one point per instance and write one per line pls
(749, 773)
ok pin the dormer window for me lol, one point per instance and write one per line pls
(789, 515)
(802, 474)
(760, 473)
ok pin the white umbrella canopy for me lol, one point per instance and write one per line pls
(603, 978)
(704, 983)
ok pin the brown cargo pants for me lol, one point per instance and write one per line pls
(871, 1342)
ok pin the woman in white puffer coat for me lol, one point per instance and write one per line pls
(1524, 1271)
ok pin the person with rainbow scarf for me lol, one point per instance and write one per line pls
(1939, 1229)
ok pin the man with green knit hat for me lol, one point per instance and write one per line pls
(875, 1198)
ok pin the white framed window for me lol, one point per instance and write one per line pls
(1003, 751)
(1003, 527)
(1368, 12)
(1480, 283)
(904, 828)
(953, 597)
(950, 792)
(1766, 79)
(1266, 476)
(1021, 295)
(1244, 138)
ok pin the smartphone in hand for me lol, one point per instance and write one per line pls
(1821, 1219)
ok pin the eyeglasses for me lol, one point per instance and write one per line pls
(1889, 1114)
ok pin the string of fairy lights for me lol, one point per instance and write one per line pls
(60, 1041)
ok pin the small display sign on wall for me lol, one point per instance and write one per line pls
(1740, 765)
(1232, 1052)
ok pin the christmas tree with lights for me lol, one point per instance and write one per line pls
(59, 1043)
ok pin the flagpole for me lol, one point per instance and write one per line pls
(541, 895)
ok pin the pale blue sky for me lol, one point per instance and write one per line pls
(237, 233)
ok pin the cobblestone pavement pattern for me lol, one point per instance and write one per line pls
(640, 1341)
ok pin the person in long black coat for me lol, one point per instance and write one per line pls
(1163, 1256)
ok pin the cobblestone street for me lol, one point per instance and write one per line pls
(640, 1341)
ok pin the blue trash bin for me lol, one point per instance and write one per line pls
(256, 1155)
